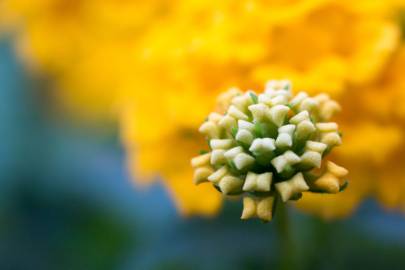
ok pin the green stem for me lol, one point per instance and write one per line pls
(287, 258)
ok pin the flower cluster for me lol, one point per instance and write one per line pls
(270, 145)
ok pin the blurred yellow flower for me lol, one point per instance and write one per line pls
(159, 65)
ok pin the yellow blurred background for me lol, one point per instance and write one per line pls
(156, 67)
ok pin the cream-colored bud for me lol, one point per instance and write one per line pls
(284, 140)
(217, 157)
(298, 99)
(243, 161)
(322, 98)
(227, 122)
(291, 157)
(225, 99)
(278, 114)
(216, 176)
(214, 117)
(231, 153)
(329, 109)
(328, 183)
(201, 174)
(261, 146)
(264, 208)
(236, 113)
(250, 182)
(210, 129)
(242, 124)
(284, 85)
(230, 184)
(221, 143)
(336, 170)
(242, 102)
(279, 100)
(258, 182)
(263, 182)
(294, 186)
(315, 146)
(259, 111)
(249, 208)
(327, 127)
(201, 160)
(299, 117)
(288, 129)
(265, 99)
(304, 129)
(331, 139)
(244, 136)
(312, 159)
(272, 85)
(288, 158)
(308, 104)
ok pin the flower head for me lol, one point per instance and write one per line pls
(270, 146)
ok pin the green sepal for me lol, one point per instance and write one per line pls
(344, 186)
(254, 98)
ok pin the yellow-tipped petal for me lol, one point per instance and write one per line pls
(201, 160)
(336, 170)
(201, 174)
(230, 184)
(328, 183)
(265, 208)
(249, 208)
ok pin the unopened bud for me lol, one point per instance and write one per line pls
(201, 174)
(259, 111)
(236, 113)
(221, 143)
(295, 185)
(327, 127)
(258, 182)
(298, 118)
(218, 174)
(243, 161)
(262, 146)
(217, 157)
(331, 139)
(278, 114)
(202, 160)
(288, 158)
(244, 136)
(233, 152)
(315, 146)
(230, 184)
(227, 122)
(210, 129)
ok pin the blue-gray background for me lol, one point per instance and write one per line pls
(66, 202)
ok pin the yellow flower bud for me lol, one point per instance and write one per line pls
(201, 160)
(243, 161)
(236, 113)
(217, 157)
(221, 143)
(201, 174)
(218, 174)
(210, 129)
(289, 188)
(229, 184)
(258, 182)
(278, 114)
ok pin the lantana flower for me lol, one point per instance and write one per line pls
(270, 147)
